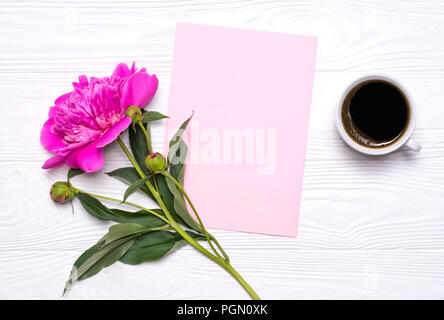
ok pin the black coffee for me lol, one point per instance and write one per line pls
(375, 113)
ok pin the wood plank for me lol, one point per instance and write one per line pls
(338, 274)
(348, 207)
(370, 227)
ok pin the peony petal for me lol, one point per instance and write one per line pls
(62, 98)
(121, 70)
(49, 140)
(52, 111)
(138, 90)
(112, 133)
(90, 158)
(83, 80)
(72, 160)
(53, 162)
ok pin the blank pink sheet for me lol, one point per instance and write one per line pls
(251, 93)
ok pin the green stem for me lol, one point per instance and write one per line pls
(182, 232)
(229, 268)
(155, 183)
(152, 229)
(130, 157)
(148, 143)
(207, 234)
(147, 136)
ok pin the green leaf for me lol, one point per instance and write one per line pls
(122, 230)
(180, 206)
(94, 207)
(139, 147)
(86, 255)
(140, 217)
(175, 141)
(74, 172)
(168, 198)
(178, 135)
(154, 245)
(106, 257)
(151, 116)
(177, 153)
(128, 242)
(94, 259)
(129, 175)
(119, 239)
(177, 164)
(100, 211)
(134, 187)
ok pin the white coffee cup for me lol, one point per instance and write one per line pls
(403, 140)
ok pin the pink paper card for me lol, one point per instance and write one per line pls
(251, 94)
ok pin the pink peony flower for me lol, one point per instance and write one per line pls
(82, 122)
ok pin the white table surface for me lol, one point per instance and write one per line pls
(369, 227)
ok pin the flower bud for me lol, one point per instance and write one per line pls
(62, 192)
(155, 162)
(134, 112)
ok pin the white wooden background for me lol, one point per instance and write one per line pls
(369, 227)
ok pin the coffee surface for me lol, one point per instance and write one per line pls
(375, 113)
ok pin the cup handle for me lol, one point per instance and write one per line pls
(412, 145)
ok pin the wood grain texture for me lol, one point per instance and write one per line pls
(369, 227)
